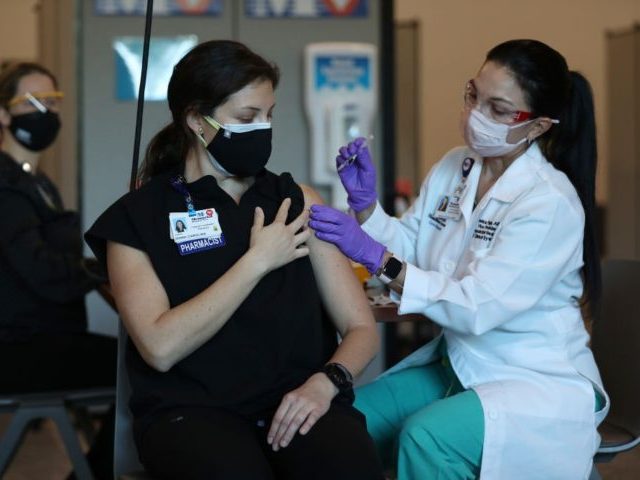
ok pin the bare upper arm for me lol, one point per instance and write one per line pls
(140, 297)
(340, 289)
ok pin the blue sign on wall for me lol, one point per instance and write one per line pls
(343, 71)
(160, 7)
(306, 8)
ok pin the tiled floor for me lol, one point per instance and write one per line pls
(42, 457)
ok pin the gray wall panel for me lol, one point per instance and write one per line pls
(282, 41)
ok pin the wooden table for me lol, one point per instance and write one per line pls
(403, 333)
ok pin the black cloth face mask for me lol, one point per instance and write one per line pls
(35, 131)
(243, 150)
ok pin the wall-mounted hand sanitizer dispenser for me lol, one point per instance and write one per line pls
(340, 101)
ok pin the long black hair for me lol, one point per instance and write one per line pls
(552, 90)
(202, 80)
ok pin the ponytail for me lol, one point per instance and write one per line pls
(553, 91)
(570, 146)
(166, 150)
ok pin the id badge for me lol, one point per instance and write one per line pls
(448, 207)
(196, 232)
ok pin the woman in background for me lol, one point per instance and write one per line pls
(44, 277)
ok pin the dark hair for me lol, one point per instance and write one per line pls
(553, 91)
(11, 75)
(202, 80)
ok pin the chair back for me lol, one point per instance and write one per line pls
(125, 455)
(616, 341)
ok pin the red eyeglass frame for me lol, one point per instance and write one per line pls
(518, 115)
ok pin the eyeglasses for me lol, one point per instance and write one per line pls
(43, 101)
(496, 110)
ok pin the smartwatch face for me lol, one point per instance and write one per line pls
(392, 268)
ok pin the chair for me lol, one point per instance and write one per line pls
(615, 343)
(126, 465)
(55, 405)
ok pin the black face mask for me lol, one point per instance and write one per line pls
(35, 131)
(243, 154)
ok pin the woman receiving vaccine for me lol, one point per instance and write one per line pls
(499, 249)
(233, 311)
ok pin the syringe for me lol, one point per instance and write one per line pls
(353, 157)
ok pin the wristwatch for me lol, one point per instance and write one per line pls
(390, 270)
(339, 376)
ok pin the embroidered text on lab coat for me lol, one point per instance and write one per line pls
(486, 230)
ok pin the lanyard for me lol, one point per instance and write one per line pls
(179, 185)
(467, 165)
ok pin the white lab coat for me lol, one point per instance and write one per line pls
(502, 282)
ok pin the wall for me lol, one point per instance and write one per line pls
(18, 30)
(456, 34)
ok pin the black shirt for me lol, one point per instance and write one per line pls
(43, 276)
(278, 337)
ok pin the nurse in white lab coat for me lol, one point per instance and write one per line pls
(499, 250)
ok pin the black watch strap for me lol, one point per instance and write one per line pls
(339, 376)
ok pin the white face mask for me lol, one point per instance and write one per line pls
(489, 138)
(230, 128)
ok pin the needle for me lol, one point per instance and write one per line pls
(353, 157)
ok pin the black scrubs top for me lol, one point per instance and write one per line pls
(278, 337)
(43, 275)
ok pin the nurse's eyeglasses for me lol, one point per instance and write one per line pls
(496, 110)
(42, 101)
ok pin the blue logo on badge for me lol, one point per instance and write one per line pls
(200, 245)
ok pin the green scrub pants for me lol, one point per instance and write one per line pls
(424, 424)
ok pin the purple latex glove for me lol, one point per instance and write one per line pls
(358, 176)
(345, 233)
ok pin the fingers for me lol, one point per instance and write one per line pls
(326, 227)
(364, 161)
(300, 238)
(357, 145)
(277, 420)
(296, 421)
(292, 414)
(311, 421)
(329, 237)
(283, 211)
(327, 214)
(301, 252)
(298, 225)
(352, 148)
(282, 420)
(349, 150)
(258, 218)
(299, 221)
